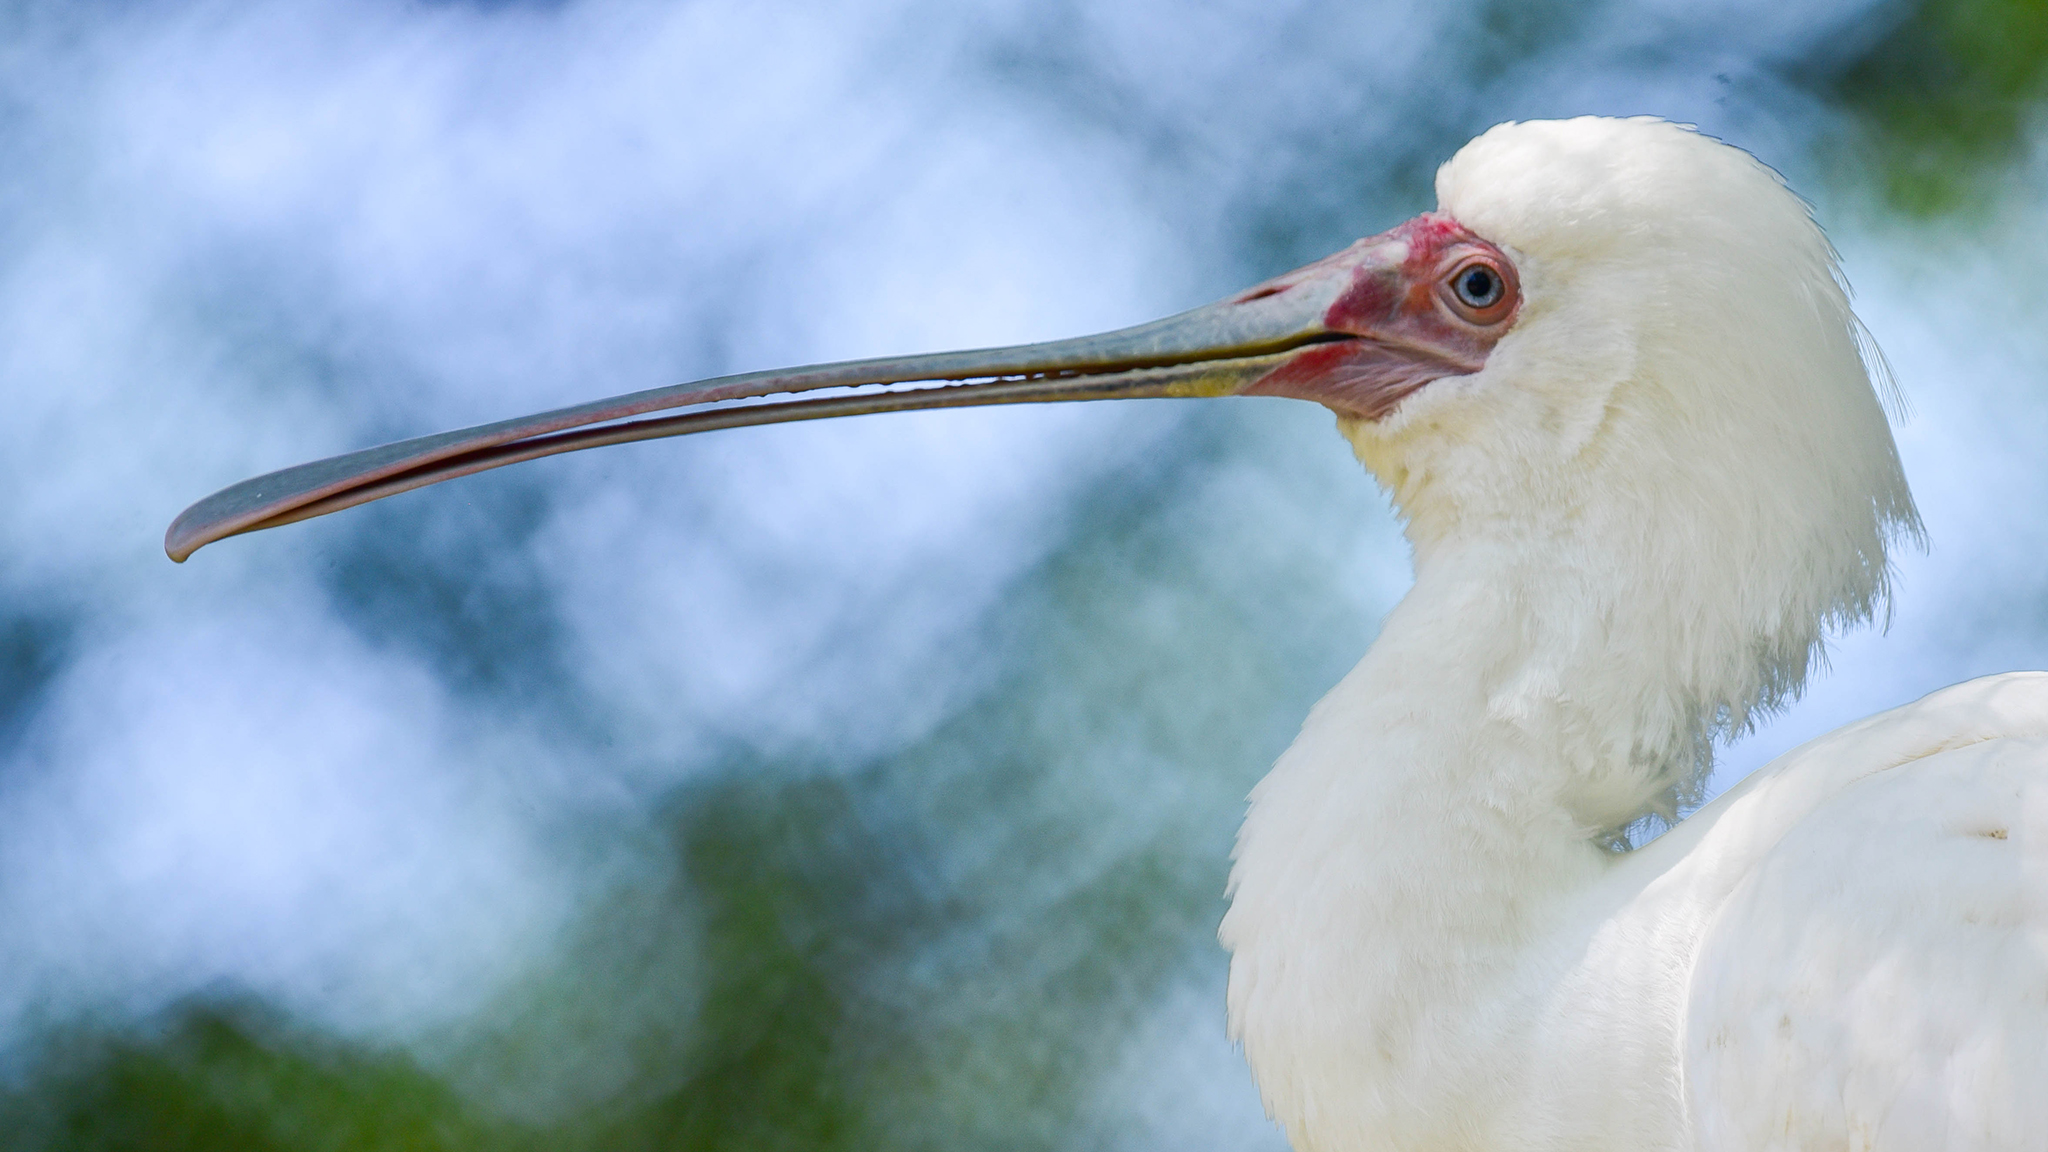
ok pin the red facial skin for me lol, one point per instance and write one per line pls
(1411, 325)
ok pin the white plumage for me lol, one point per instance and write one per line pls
(1631, 529)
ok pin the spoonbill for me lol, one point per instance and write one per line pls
(1616, 391)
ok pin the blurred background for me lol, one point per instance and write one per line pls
(862, 784)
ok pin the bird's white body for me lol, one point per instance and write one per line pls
(1631, 529)
(1849, 949)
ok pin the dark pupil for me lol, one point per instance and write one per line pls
(1478, 287)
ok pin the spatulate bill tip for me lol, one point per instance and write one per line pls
(195, 528)
(180, 544)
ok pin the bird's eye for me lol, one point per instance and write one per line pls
(1478, 286)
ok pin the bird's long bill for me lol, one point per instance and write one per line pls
(1217, 350)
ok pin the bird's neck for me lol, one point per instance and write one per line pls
(1438, 809)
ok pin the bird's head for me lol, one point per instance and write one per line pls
(1681, 341)
(1617, 345)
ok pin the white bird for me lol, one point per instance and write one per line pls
(1617, 393)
